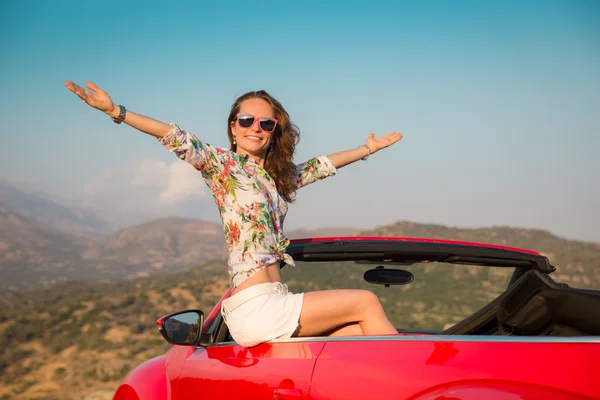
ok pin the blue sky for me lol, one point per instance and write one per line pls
(498, 103)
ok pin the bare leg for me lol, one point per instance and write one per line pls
(352, 329)
(326, 310)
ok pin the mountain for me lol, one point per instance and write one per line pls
(34, 256)
(53, 212)
(30, 252)
(170, 244)
(45, 241)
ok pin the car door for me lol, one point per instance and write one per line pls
(458, 368)
(276, 370)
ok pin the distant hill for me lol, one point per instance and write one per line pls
(34, 256)
(45, 241)
(52, 212)
(166, 244)
(31, 253)
(577, 262)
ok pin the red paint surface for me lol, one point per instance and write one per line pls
(382, 369)
(252, 373)
(146, 382)
(428, 370)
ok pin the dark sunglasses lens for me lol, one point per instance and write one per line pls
(267, 124)
(245, 121)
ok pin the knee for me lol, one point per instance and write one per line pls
(370, 300)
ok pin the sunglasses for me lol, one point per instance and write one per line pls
(266, 124)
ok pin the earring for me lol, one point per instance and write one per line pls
(234, 140)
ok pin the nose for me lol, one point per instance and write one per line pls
(256, 126)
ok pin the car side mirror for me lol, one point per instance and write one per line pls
(182, 327)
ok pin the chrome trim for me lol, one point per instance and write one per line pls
(437, 338)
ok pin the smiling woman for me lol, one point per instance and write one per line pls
(252, 184)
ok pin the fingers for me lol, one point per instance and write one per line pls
(72, 87)
(87, 96)
(93, 87)
(78, 90)
(92, 95)
(383, 141)
(394, 136)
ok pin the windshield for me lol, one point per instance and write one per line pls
(440, 295)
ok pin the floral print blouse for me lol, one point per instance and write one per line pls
(250, 206)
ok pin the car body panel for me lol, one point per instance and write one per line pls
(428, 368)
(496, 390)
(233, 371)
(148, 381)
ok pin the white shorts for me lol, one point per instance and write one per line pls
(262, 312)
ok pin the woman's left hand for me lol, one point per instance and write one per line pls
(378, 143)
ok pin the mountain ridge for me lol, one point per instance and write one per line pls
(50, 211)
(44, 242)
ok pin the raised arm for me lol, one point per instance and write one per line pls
(100, 100)
(185, 145)
(373, 145)
(323, 166)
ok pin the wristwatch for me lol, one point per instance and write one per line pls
(121, 117)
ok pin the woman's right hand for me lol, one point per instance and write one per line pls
(94, 97)
(100, 100)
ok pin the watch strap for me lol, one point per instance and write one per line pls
(121, 117)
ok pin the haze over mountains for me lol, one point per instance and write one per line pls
(44, 241)
(45, 209)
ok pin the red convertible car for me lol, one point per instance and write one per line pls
(474, 322)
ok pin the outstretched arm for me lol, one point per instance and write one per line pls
(100, 100)
(321, 167)
(185, 145)
(374, 144)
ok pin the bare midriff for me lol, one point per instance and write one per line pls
(264, 275)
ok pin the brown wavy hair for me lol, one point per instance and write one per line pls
(278, 161)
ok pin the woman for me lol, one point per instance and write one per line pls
(252, 184)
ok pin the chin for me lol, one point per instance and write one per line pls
(256, 147)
